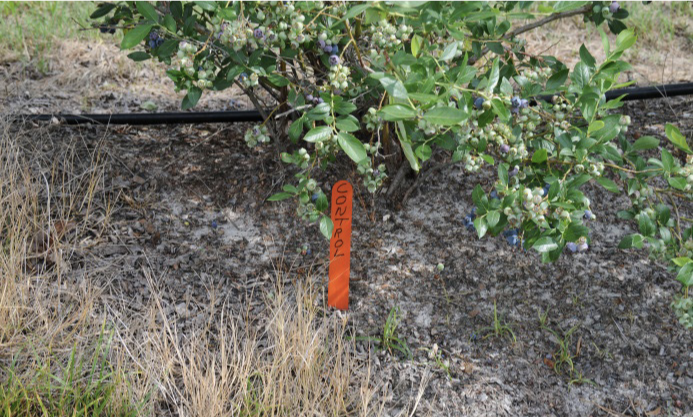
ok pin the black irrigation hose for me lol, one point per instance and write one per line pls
(636, 93)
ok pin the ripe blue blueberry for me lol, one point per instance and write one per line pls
(314, 197)
(320, 100)
(524, 103)
(516, 102)
(159, 41)
(479, 102)
(309, 97)
(494, 194)
(153, 36)
(152, 44)
(582, 247)
(504, 148)
(513, 240)
(613, 8)
(335, 49)
(321, 44)
(214, 224)
(327, 48)
(546, 188)
(258, 33)
(572, 246)
(334, 60)
(588, 215)
(474, 212)
(243, 76)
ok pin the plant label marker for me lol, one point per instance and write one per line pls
(340, 246)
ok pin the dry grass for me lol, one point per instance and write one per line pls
(66, 347)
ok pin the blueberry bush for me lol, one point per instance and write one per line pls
(387, 84)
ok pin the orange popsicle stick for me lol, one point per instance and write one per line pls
(340, 246)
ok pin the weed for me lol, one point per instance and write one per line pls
(435, 354)
(390, 340)
(563, 356)
(497, 328)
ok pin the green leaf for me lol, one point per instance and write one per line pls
(480, 226)
(135, 36)
(574, 232)
(540, 156)
(449, 52)
(296, 129)
(191, 99)
(675, 136)
(348, 124)
(445, 116)
(677, 182)
(139, 56)
(499, 108)
(581, 75)
(416, 44)
(625, 40)
(395, 112)
(170, 23)
(681, 261)
(685, 275)
(147, 10)
(493, 77)
(103, 10)
(423, 152)
(277, 80)
(586, 57)
(557, 80)
(352, 146)
(646, 226)
(478, 196)
(545, 244)
(565, 6)
(631, 241)
(410, 4)
(344, 107)
(492, 218)
(318, 134)
(326, 227)
(646, 142)
(321, 203)
(209, 6)
(406, 147)
(667, 161)
(394, 87)
(608, 184)
(280, 196)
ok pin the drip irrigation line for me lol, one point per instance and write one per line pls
(633, 93)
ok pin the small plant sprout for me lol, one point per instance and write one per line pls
(440, 267)
(436, 355)
(563, 357)
(497, 328)
(390, 340)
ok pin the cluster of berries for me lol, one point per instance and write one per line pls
(205, 75)
(186, 55)
(472, 163)
(255, 135)
(249, 81)
(516, 103)
(372, 120)
(339, 75)
(385, 35)
(373, 177)
(579, 246)
(155, 40)
(329, 147)
(606, 11)
(327, 45)
(314, 99)
(469, 220)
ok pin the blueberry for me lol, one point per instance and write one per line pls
(258, 33)
(152, 44)
(494, 195)
(321, 44)
(309, 97)
(588, 215)
(314, 197)
(571, 246)
(479, 102)
(516, 102)
(524, 103)
(334, 60)
(153, 36)
(513, 240)
(159, 41)
(103, 30)
(546, 188)
(327, 48)
(613, 8)
(582, 247)
(243, 76)
(335, 49)
(474, 212)
(214, 224)
(320, 100)
(504, 148)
